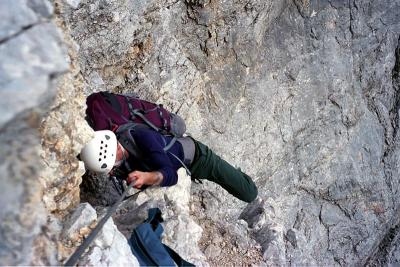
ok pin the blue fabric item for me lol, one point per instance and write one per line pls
(151, 144)
(147, 248)
(146, 245)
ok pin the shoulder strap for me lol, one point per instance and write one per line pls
(124, 136)
(128, 142)
(167, 147)
(137, 112)
(181, 162)
(171, 143)
(132, 95)
(154, 216)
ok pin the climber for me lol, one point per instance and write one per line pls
(105, 154)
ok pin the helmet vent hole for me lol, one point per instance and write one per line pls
(100, 154)
(106, 145)
(101, 148)
(104, 166)
(102, 142)
(105, 151)
(104, 156)
(99, 159)
(107, 137)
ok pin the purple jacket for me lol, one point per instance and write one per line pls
(151, 144)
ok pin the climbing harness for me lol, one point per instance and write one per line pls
(73, 260)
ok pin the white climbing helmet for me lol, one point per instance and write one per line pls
(100, 153)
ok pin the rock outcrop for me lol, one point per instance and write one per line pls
(302, 95)
(110, 248)
(32, 57)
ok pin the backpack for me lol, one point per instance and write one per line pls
(146, 245)
(108, 111)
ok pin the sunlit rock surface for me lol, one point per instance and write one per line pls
(110, 248)
(301, 95)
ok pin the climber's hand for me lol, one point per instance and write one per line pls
(144, 178)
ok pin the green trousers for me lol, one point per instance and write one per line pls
(207, 165)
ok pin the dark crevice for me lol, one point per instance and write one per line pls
(338, 261)
(393, 125)
(12, 36)
(299, 8)
(326, 199)
(351, 20)
(380, 255)
(380, 258)
(238, 59)
(98, 190)
(394, 111)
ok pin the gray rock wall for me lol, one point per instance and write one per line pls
(110, 248)
(302, 95)
(32, 56)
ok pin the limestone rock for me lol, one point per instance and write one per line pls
(79, 222)
(28, 60)
(394, 254)
(212, 251)
(32, 57)
(302, 95)
(16, 15)
(64, 131)
(110, 248)
(73, 3)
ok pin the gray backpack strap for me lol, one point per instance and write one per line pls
(181, 162)
(125, 138)
(171, 143)
(188, 151)
(167, 147)
(137, 112)
(187, 145)
(127, 141)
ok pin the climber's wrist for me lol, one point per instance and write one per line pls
(157, 178)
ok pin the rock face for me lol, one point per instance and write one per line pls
(31, 58)
(302, 95)
(306, 91)
(110, 248)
